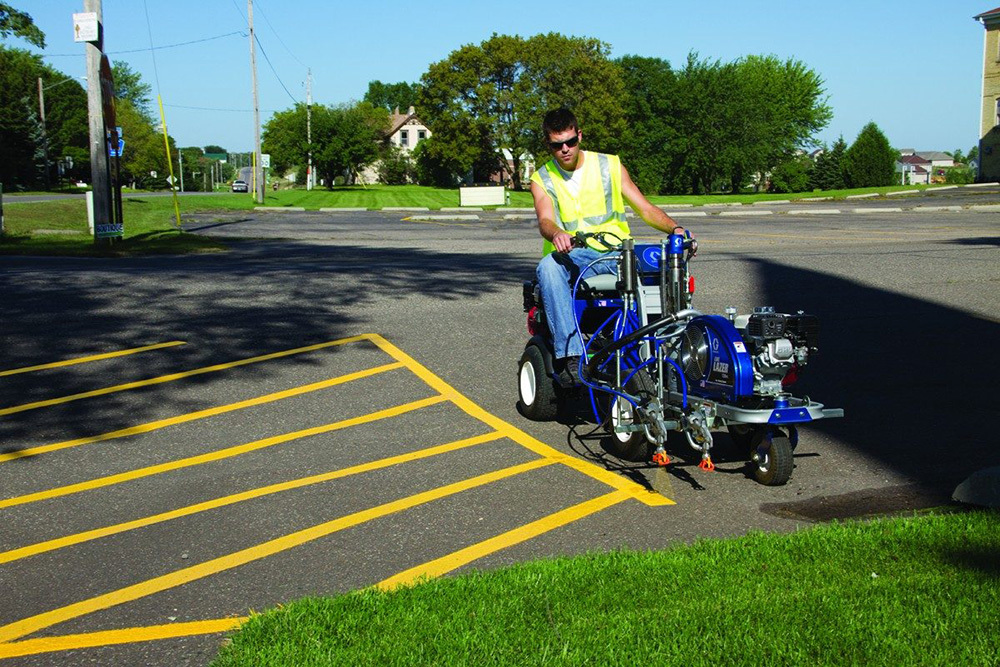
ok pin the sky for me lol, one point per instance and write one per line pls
(914, 67)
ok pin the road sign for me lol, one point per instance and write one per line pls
(171, 180)
(85, 27)
(265, 160)
(117, 152)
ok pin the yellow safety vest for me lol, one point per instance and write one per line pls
(599, 206)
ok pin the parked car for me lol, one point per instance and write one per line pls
(240, 186)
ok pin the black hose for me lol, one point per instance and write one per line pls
(595, 363)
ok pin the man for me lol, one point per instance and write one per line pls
(579, 191)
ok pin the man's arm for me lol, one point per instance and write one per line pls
(547, 226)
(653, 216)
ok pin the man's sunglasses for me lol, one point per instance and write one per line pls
(572, 141)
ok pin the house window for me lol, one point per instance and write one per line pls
(996, 115)
(404, 137)
(421, 135)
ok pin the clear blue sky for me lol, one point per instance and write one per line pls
(913, 67)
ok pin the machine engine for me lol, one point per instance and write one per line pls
(779, 345)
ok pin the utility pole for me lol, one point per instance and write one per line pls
(309, 132)
(100, 177)
(258, 172)
(45, 137)
(180, 160)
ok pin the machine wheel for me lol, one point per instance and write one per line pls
(631, 445)
(536, 391)
(771, 460)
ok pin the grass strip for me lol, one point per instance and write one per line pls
(922, 590)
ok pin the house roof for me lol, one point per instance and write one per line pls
(991, 13)
(398, 120)
(934, 155)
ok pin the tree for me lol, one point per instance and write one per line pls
(391, 96)
(828, 172)
(345, 138)
(649, 144)
(212, 148)
(19, 24)
(487, 98)
(24, 144)
(870, 161)
(130, 86)
(775, 108)
(144, 150)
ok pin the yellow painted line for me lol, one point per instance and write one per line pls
(433, 568)
(216, 455)
(640, 493)
(201, 414)
(70, 540)
(95, 357)
(121, 636)
(452, 561)
(175, 376)
(143, 589)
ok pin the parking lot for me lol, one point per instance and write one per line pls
(330, 406)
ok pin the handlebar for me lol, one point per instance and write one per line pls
(581, 240)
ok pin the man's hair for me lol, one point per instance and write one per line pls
(558, 120)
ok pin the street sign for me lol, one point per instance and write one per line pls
(117, 152)
(265, 160)
(85, 27)
(171, 180)
(107, 91)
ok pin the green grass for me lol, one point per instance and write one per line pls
(915, 591)
(60, 227)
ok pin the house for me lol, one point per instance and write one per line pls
(913, 169)
(989, 109)
(405, 131)
(936, 158)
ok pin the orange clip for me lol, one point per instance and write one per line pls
(661, 458)
(706, 464)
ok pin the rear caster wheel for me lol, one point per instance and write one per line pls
(771, 460)
(745, 437)
(536, 391)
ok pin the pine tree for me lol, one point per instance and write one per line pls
(870, 161)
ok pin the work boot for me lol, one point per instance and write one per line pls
(569, 376)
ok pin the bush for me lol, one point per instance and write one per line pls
(792, 175)
(395, 167)
(959, 175)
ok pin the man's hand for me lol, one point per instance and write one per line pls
(562, 241)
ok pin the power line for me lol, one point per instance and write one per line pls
(273, 70)
(152, 48)
(181, 106)
(268, 21)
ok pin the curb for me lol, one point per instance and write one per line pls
(440, 218)
(743, 213)
(814, 211)
(280, 209)
(343, 209)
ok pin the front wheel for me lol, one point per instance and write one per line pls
(630, 445)
(536, 391)
(771, 460)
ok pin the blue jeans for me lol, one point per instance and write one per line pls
(557, 273)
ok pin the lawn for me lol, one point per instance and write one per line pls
(60, 227)
(913, 591)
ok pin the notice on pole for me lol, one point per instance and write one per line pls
(265, 160)
(86, 27)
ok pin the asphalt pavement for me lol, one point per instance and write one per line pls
(330, 405)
